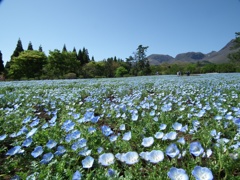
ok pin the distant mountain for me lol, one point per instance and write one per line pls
(216, 57)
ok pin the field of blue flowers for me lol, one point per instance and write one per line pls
(156, 127)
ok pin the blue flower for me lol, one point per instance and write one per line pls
(51, 143)
(87, 162)
(177, 174)
(106, 130)
(27, 142)
(60, 150)
(134, 117)
(79, 144)
(147, 142)
(159, 135)
(202, 173)
(37, 151)
(32, 132)
(162, 126)
(111, 172)
(68, 125)
(130, 158)
(77, 176)
(34, 123)
(27, 119)
(2, 137)
(47, 158)
(106, 159)
(172, 150)
(177, 126)
(122, 127)
(127, 136)
(155, 156)
(171, 136)
(53, 119)
(91, 129)
(13, 151)
(196, 148)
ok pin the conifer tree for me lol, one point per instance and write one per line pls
(64, 48)
(30, 47)
(40, 49)
(74, 50)
(1, 63)
(18, 49)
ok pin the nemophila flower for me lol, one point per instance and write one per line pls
(68, 125)
(171, 136)
(155, 118)
(202, 173)
(162, 126)
(53, 119)
(159, 135)
(27, 142)
(181, 140)
(119, 156)
(106, 159)
(34, 123)
(37, 151)
(195, 123)
(95, 119)
(106, 130)
(218, 118)
(77, 176)
(88, 115)
(32, 132)
(75, 115)
(215, 134)
(26, 120)
(32, 176)
(152, 113)
(177, 174)
(147, 142)
(122, 127)
(113, 137)
(47, 158)
(45, 126)
(79, 144)
(51, 143)
(155, 156)
(91, 129)
(236, 121)
(172, 150)
(130, 158)
(111, 172)
(13, 151)
(127, 136)
(100, 150)
(22, 131)
(87, 162)
(16, 177)
(166, 107)
(201, 113)
(177, 126)
(144, 155)
(196, 148)
(134, 117)
(60, 150)
(228, 117)
(52, 124)
(85, 152)
(2, 137)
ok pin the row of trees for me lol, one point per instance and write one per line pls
(34, 64)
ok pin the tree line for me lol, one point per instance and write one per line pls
(63, 64)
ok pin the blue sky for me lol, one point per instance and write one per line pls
(109, 28)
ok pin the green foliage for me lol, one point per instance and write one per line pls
(30, 47)
(18, 49)
(28, 64)
(70, 76)
(235, 57)
(1, 64)
(121, 71)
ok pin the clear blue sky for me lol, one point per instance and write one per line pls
(109, 28)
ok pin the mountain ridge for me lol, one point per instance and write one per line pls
(216, 57)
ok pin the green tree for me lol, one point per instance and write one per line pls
(29, 64)
(40, 49)
(18, 49)
(30, 47)
(74, 50)
(121, 71)
(64, 48)
(1, 63)
(235, 57)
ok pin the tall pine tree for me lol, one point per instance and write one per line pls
(40, 49)
(30, 47)
(64, 48)
(18, 49)
(1, 63)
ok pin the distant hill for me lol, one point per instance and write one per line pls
(216, 57)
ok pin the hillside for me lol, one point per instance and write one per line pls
(216, 57)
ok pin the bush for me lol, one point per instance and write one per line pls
(70, 76)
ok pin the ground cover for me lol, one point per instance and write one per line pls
(155, 127)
